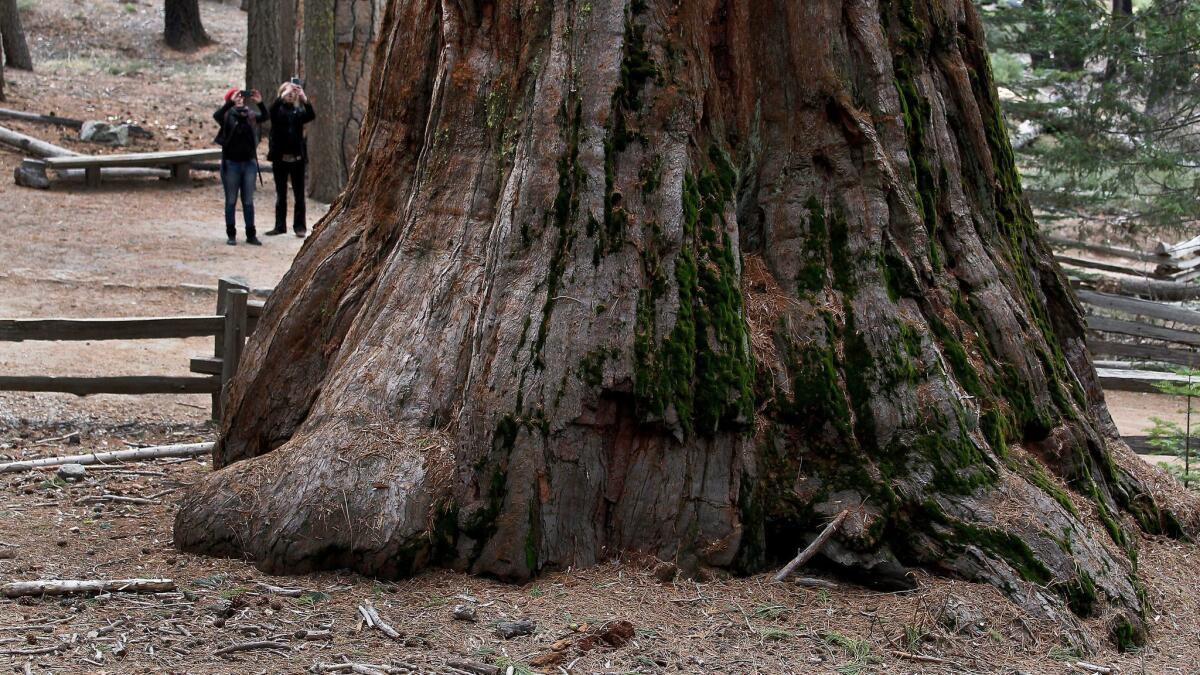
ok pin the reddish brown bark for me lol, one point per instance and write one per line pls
(685, 279)
(183, 29)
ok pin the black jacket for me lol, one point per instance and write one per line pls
(287, 130)
(234, 147)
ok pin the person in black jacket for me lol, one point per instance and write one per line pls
(288, 152)
(238, 139)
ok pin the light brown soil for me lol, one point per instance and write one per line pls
(124, 250)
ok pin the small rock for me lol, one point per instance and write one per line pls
(464, 612)
(511, 629)
(72, 472)
(32, 174)
(95, 131)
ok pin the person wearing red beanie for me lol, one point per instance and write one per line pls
(238, 139)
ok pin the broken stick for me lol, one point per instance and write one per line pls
(372, 617)
(813, 548)
(247, 646)
(67, 586)
(135, 455)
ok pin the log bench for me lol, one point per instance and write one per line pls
(178, 162)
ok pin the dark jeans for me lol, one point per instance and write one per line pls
(239, 177)
(284, 172)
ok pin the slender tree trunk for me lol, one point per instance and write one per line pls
(183, 28)
(339, 40)
(270, 45)
(16, 49)
(686, 279)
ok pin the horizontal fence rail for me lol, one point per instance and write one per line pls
(19, 330)
(122, 384)
(235, 318)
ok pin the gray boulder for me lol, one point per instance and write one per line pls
(94, 131)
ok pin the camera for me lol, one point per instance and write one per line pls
(298, 82)
(246, 94)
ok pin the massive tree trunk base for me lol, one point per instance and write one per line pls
(687, 280)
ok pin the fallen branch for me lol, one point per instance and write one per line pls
(67, 587)
(33, 146)
(1093, 668)
(248, 646)
(94, 499)
(155, 452)
(31, 652)
(477, 668)
(813, 548)
(134, 130)
(279, 590)
(812, 582)
(924, 659)
(367, 610)
(362, 668)
(308, 634)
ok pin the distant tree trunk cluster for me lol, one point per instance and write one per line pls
(329, 44)
(16, 49)
(184, 31)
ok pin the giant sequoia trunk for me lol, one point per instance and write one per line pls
(16, 49)
(183, 30)
(685, 279)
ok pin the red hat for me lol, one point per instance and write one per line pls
(229, 94)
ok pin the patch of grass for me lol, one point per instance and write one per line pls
(913, 637)
(775, 634)
(535, 592)
(214, 581)
(311, 598)
(769, 611)
(517, 668)
(232, 593)
(861, 657)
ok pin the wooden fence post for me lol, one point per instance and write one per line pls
(223, 286)
(234, 337)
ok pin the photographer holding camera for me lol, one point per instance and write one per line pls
(288, 152)
(238, 139)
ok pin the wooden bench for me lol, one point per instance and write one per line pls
(179, 162)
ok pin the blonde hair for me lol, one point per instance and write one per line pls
(282, 88)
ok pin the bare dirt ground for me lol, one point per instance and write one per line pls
(125, 249)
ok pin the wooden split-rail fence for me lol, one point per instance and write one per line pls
(1136, 341)
(235, 319)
